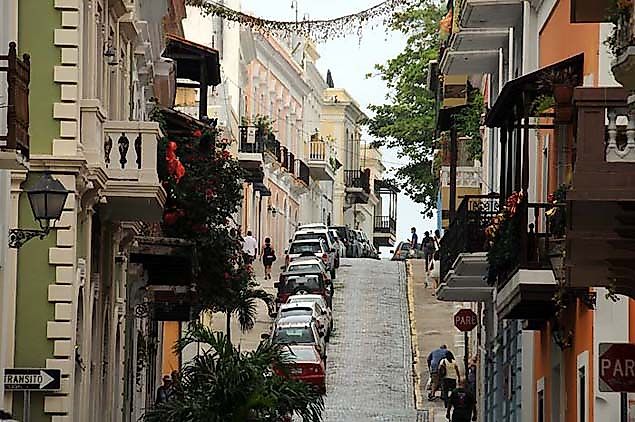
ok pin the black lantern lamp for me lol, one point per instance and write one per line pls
(47, 200)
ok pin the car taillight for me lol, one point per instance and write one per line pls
(311, 369)
(325, 258)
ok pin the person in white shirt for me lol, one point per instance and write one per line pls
(250, 248)
(450, 376)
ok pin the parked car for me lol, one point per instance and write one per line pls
(307, 366)
(347, 236)
(310, 308)
(312, 226)
(324, 234)
(401, 252)
(364, 243)
(312, 246)
(298, 330)
(313, 298)
(295, 283)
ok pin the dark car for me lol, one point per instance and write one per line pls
(301, 282)
(402, 251)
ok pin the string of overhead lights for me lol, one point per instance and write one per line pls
(316, 29)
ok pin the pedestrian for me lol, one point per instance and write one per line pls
(471, 375)
(165, 391)
(463, 403)
(268, 257)
(427, 245)
(434, 359)
(435, 273)
(250, 248)
(415, 239)
(449, 375)
(437, 240)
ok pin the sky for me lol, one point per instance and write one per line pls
(350, 59)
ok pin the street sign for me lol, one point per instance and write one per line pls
(617, 367)
(465, 320)
(32, 379)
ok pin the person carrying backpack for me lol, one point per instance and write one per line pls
(449, 375)
(428, 247)
(268, 257)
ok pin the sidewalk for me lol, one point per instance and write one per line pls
(432, 324)
(250, 339)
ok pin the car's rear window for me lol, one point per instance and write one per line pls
(287, 335)
(304, 267)
(295, 312)
(341, 232)
(303, 354)
(298, 248)
(405, 246)
(309, 236)
(311, 283)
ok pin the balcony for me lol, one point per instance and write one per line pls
(357, 186)
(473, 51)
(122, 159)
(250, 153)
(15, 142)
(301, 176)
(320, 160)
(601, 201)
(463, 257)
(170, 291)
(385, 231)
(490, 13)
(521, 261)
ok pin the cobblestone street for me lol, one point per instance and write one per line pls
(369, 356)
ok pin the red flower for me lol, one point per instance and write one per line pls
(170, 217)
(225, 154)
(209, 194)
(197, 133)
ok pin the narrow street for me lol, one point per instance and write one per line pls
(369, 370)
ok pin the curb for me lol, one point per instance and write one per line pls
(418, 390)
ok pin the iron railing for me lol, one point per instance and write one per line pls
(17, 101)
(467, 232)
(533, 242)
(252, 140)
(357, 179)
(385, 225)
(301, 172)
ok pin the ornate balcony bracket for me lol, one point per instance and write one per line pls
(18, 237)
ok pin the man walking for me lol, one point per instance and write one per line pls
(415, 239)
(463, 403)
(250, 248)
(434, 360)
(427, 244)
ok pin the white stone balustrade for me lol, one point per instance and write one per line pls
(617, 119)
(130, 151)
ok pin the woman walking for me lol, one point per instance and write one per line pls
(268, 257)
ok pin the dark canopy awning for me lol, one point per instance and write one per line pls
(190, 56)
(181, 124)
(520, 93)
(260, 187)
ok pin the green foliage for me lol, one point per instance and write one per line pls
(503, 252)
(223, 384)
(468, 123)
(199, 208)
(407, 120)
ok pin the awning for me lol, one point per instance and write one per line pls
(181, 124)
(190, 57)
(520, 93)
(260, 187)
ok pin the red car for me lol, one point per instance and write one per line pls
(307, 366)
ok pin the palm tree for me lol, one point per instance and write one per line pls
(223, 384)
(243, 304)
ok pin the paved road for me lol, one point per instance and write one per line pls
(369, 373)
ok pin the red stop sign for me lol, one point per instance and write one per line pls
(617, 367)
(465, 320)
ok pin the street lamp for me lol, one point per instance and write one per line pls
(47, 200)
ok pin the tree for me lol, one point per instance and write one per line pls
(222, 384)
(407, 121)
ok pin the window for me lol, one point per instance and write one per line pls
(540, 400)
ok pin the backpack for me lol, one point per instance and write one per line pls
(443, 371)
(270, 253)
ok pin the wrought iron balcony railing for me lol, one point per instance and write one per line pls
(252, 140)
(385, 225)
(467, 232)
(301, 172)
(357, 179)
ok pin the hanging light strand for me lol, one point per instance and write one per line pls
(317, 29)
